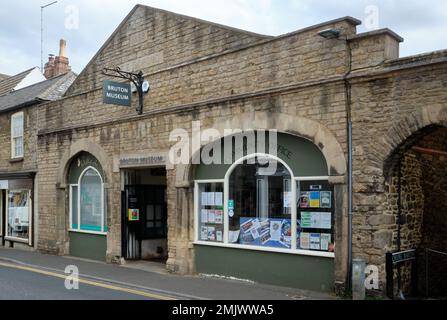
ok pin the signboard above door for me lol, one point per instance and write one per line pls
(116, 93)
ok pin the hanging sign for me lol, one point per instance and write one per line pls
(116, 93)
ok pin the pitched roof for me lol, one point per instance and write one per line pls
(7, 85)
(49, 90)
(253, 35)
(3, 76)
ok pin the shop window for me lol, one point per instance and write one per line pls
(87, 203)
(211, 208)
(261, 205)
(19, 213)
(260, 213)
(315, 216)
(17, 135)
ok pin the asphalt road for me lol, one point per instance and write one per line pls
(16, 284)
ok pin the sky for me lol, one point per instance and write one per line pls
(86, 24)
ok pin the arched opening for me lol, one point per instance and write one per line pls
(275, 212)
(87, 208)
(417, 196)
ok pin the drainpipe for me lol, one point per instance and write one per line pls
(348, 95)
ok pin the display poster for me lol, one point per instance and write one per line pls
(134, 214)
(204, 216)
(324, 220)
(304, 200)
(219, 217)
(219, 236)
(211, 216)
(211, 199)
(315, 199)
(325, 241)
(204, 198)
(287, 199)
(275, 230)
(211, 233)
(204, 233)
(326, 199)
(265, 232)
(316, 220)
(218, 199)
(305, 240)
(315, 239)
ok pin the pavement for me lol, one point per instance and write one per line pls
(32, 275)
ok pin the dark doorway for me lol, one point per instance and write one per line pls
(145, 216)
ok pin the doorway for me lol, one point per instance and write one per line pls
(145, 215)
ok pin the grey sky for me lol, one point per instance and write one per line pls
(423, 24)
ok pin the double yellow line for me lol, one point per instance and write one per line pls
(89, 282)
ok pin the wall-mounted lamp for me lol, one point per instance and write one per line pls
(329, 33)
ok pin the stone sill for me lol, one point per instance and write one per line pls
(16, 160)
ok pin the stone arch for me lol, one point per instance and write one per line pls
(83, 145)
(306, 128)
(404, 132)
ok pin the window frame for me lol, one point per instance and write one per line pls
(13, 137)
(226, 184)
(79, 185)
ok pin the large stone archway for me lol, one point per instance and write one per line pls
(306, 128)
(62, 192)
(83, 145)
(318, 134)
(377, 184)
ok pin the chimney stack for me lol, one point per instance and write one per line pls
(59, 65)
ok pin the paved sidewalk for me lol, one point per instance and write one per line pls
(158, 281)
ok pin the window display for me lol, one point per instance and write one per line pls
(262, 207)
(315, 216)
(87, 203)
(266, 209)
(211, 218)
(19, 211)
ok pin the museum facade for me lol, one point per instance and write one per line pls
(344, 113)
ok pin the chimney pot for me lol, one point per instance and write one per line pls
(62, 46)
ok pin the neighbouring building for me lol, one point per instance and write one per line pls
(108, 191)
(58, 65)
(22, 80)
(19, 108)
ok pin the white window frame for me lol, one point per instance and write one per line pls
(13, 137)
(30, 206)
(226, 183)
(78, 185)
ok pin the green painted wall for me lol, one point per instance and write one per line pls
(280, 269)
(302, 156)
(88, 246)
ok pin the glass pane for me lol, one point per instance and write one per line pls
(18, 144)
(19, 214)
(260, 204)
(211, 212)
(159, 213)
(18, 126)
(91, 201)
(315, 229)
(74, 207)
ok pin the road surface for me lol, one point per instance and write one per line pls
(23, 283)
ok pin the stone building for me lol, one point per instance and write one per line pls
(20, 98)
(108, 191)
